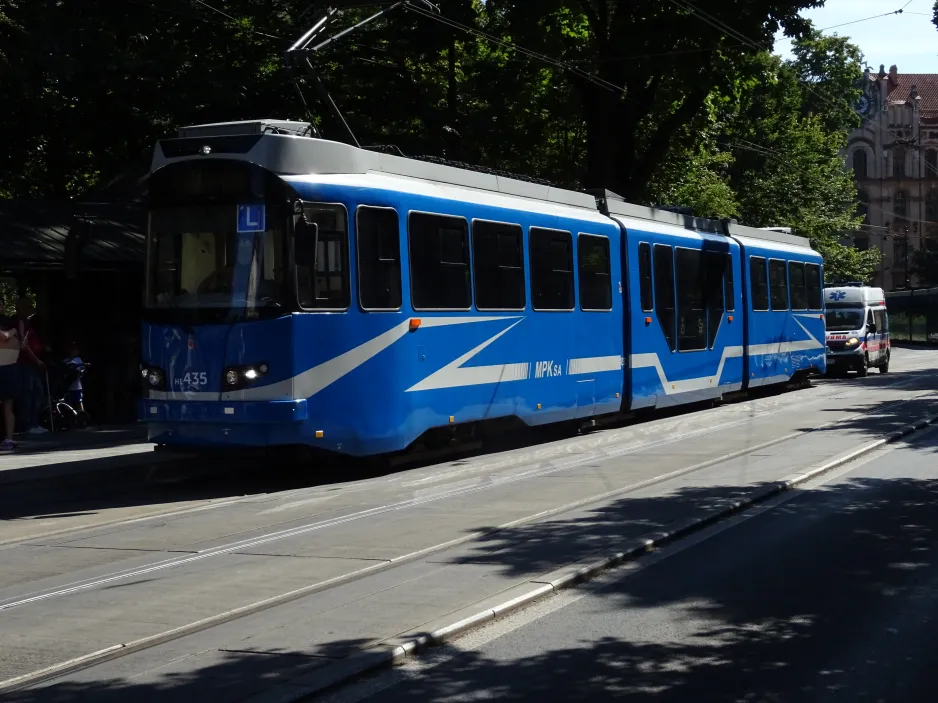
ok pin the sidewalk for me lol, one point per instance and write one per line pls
(76, 451)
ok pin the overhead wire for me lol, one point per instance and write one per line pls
(235, 19)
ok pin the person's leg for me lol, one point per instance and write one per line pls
(24, 397)
(37, 400)
(9, 376)
(8, 420)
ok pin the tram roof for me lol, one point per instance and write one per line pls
(286, 148)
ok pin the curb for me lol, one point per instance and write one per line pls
(372, 660)
(80, 466)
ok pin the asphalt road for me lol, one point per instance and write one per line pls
(830, 595)
(224, 587)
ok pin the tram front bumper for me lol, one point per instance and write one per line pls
(223, 412)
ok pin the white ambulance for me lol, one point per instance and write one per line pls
(857, 329)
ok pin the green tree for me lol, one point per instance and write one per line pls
(788, 137)
(924, 265)
(646, 68)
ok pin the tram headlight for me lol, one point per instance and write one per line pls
(241, 376)
(153, 378)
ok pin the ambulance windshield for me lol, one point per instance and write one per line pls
(844, 320)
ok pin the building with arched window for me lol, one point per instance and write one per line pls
(894, 158)
(860, 169)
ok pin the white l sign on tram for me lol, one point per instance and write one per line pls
(252, 218)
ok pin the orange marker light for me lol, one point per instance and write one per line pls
(414, 323)
(730, 318)
(647, 320)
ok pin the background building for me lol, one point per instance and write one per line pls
(894, 157)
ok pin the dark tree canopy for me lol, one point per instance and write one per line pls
(658, 100)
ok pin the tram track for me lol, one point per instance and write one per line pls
(126, 648)
(485, 464)
(501, 459)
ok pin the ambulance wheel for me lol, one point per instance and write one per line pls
(864, 368)
(884, 368)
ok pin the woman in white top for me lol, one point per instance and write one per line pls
(9, 376)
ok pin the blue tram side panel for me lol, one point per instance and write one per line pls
(425, 366)
(685, 321)
(785, 328)
(373, 298)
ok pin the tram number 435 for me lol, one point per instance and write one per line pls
(192, 380)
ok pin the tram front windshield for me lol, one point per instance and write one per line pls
(199, 260)
(845, 320)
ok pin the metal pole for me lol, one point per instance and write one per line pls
(49, 396)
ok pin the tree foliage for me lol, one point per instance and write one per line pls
(666, 101)
(924, 266)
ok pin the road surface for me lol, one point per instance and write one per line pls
(249, 587)
(831, 595)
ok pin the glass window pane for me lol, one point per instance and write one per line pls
(812, 274)
(379, 259)
(595, 277)
(758, 283)
(644, 274)
(552, 269)
(778, 281)
(664, 291)
(691, 312)
(321, 256)
(439, 262)
(498, 266)
(799, 291)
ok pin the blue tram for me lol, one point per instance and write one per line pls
(302, 291)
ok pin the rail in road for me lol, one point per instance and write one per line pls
(826, 593)
(295, 582)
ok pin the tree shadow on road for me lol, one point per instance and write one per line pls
(830, 597)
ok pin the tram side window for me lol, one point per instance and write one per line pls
(759, 283)
(644, 275)
(812, 274)
(664, 291)
(379, 258)
(439, 262)
(729, 286)
(691, 311)
(799, 290)
(595, 274)
(322, 261)
(716, 265)
(778, 282)
(551, 269)
(498, 266)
